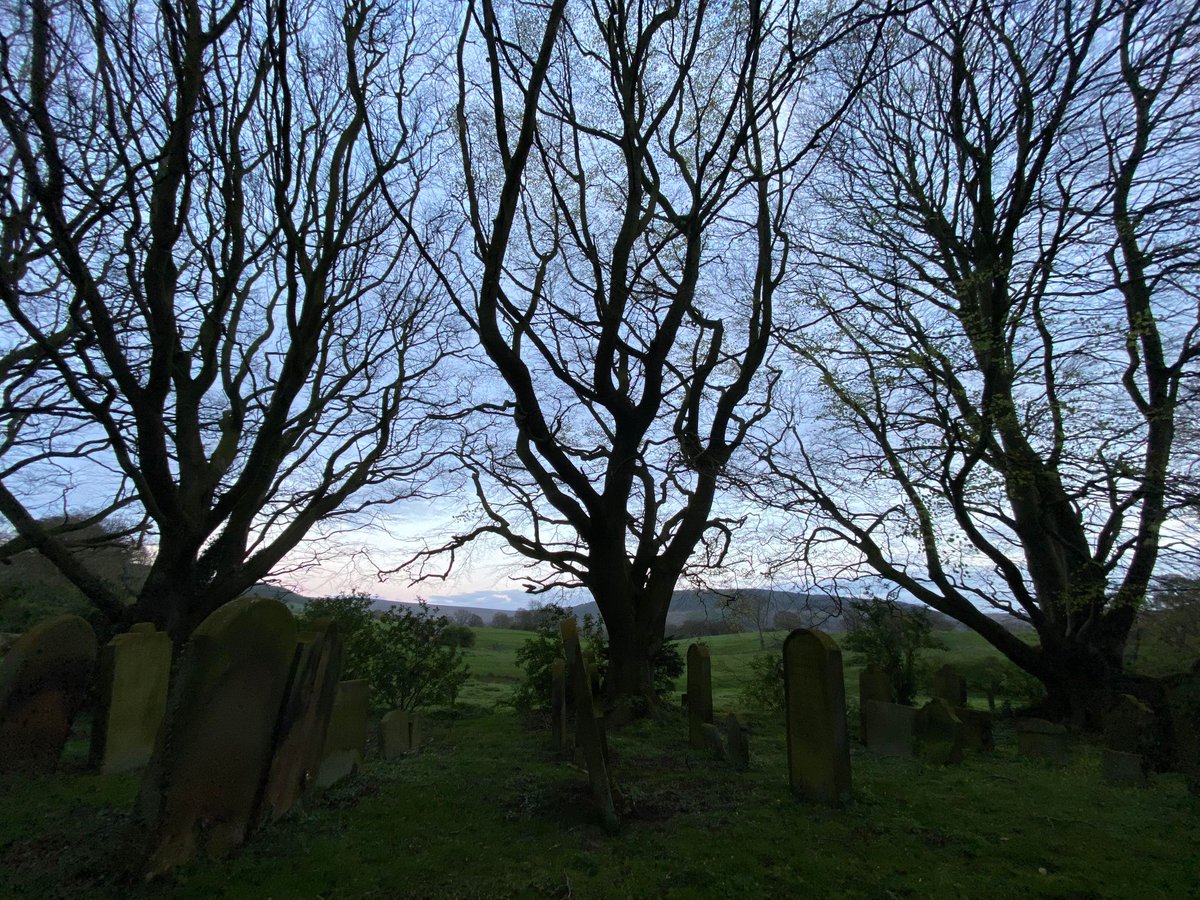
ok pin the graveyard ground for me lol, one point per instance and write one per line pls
(486, 810)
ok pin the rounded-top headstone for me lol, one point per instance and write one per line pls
(205, 779)
(815, 698)
(44, 680)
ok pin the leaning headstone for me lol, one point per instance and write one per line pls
(346, 737)
(44, 680)
(1039, 739)
(401, 733)
(593, 670)
(977, 729)
(699, 693)
(737, 742)
(873, 684)
(201, 786)
(1126, 769)
(939, 733)
(950, 686)
(131, 695)
(589, 734)
(889, 728)
(817, 741)
(303, 719)
(558, 705)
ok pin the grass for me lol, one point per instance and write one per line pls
(486, 810)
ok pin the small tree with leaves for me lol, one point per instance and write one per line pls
(892, 638)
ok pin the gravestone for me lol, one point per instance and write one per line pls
(401, 733)
(346, 737)
(1183, 705)
(1129, 726)
(44, 681)
(939, 733)
(713, 741)
(558, 705)
(977, 729)
(1126, 769)
(201, 787)
(889, 728)
(131, 695)
(737, 742)
(950, 686)
(1039, 739)
(817, 741)
(699, 693)
(593, 670)
(873, 684)
(590, 740)
(303, 719)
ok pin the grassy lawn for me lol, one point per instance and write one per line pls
(486, 810)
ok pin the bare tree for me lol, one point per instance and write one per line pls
(628, 170)
(211, 316)
(1009, 311)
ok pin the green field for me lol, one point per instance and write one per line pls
(487, 810)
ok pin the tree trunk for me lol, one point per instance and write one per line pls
(1083, 673)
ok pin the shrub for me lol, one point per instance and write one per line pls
(459, 636)
(537, 653)
(404, 653)
(764, 686)
(891, 638)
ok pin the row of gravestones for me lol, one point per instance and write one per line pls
(255, 717)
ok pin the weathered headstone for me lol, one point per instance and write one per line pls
(1039, 739)
(939, 733)
(950, 686)
(346, 737)
(558, 705)
(401, 733)
(1183, 705)
(873, 684)
(713, 741)
(699, 693)
(303, 719)
(589, 734)
(215, 744)
(737, 742)
(977, 729)
(44, 680)
(131, 694)
(1121, 768)
(889, 728)
(817, 740)
(1129, 726)
(593, 670)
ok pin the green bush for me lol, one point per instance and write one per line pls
(404, 652)
(459, 636)
(892, 638)
(537, 654)
(764, 686)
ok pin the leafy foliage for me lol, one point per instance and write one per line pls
(537, 653)
(764, 687)
(891, 638)
(406, 653)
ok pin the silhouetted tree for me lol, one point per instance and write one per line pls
(210, 318)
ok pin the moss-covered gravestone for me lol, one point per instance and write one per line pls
(558, 705)
(817, 742)
(977, 729)
(699, 693)
(939, 733)
(950, 686)
(400, 733)
(206, 776)
(44, 680)
(737, 742)
(589, 735)
(1039, 739)
(873, 684)
(346, 737)
(889, 728)
(304, 719)
(131, 695)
